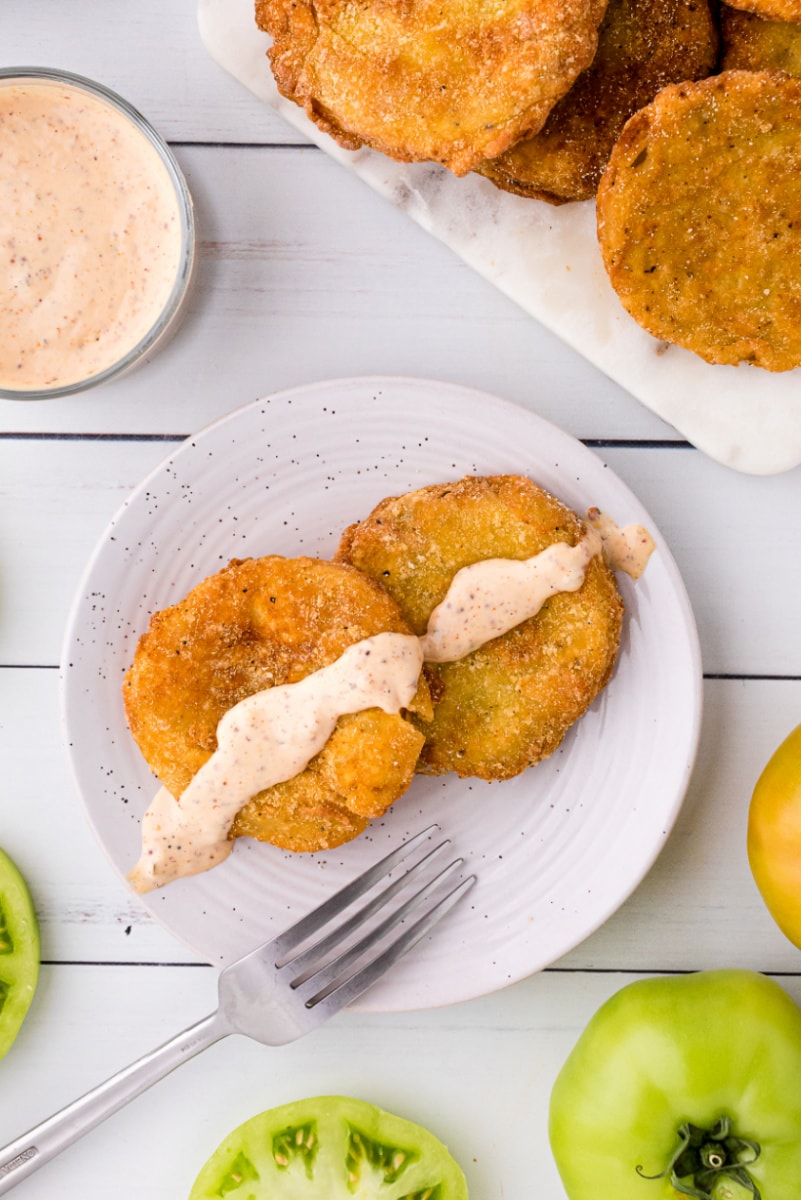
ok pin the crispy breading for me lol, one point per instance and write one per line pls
(508, 705)
(256, 624)
(642, 46)
(753, 43)
(423, 81)
(775, 10)
(698, 218)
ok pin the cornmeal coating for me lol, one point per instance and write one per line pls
(424, 81)
(507, 705)
(258, 623)
(642, 46)
(753, 43)
(776, 10)
(698, 218)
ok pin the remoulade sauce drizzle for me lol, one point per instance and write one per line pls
(266, 738)
(490, 597)
(272, 735)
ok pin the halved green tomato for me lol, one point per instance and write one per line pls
(19, 951)
(330, 1148)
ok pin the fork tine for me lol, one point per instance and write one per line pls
(342, 991)
(316, 952)
(316, 920)
(321, 970)
(264, 996)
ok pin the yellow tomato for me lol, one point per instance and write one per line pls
(774, 836)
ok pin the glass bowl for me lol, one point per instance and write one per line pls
(81, 124)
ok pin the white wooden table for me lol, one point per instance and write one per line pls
(305, 274)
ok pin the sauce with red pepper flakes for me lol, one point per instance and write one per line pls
(488, 598)
(266, 738)
(90, 235)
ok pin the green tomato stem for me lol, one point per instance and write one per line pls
(705, 1157)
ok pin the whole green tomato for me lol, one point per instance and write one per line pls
(774, 837)
(687, 1085)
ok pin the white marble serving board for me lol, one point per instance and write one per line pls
(547, 260)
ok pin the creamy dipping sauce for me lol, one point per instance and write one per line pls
(273, 735)
(91, 237)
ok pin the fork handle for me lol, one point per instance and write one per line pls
(26, 1154)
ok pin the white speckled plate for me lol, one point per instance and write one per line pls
(547, 260)
(558, 849)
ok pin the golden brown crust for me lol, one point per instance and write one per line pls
(256, 624)
(509, 704)
(776, 10)
(422, 81)
(753, 43)
(642, 46)
(698, 218)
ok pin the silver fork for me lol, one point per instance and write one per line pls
(280, 991)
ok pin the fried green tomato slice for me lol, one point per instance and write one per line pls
(423, 81)
(19, 951)
(508, 704)
(753, 43)
(330, 1148)
(642, 46)
(258, 623)
(698, 218)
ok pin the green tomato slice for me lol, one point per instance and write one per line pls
(330, 1148)
(19, 951)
